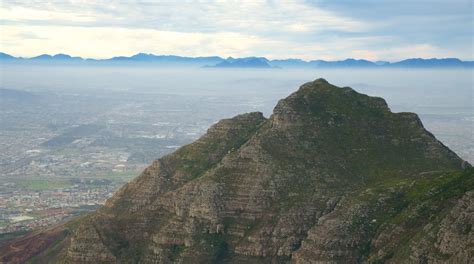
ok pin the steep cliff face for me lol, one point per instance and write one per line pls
(331, 176)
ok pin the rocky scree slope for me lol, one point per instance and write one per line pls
(332, 176)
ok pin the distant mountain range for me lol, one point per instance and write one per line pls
(219, 62)
(251, 62)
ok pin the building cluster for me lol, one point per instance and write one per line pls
(22, 209)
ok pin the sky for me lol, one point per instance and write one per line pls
(321, 29)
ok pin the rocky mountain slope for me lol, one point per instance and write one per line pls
(332, 176)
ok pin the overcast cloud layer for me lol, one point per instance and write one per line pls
(369, 29)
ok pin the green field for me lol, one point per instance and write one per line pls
(46, 184)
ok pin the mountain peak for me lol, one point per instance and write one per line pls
(320, 80)
(62, 56)
(319, 97)
(332, 170)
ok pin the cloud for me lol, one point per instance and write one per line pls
(279, 29)
(21, 14)
(105, 42)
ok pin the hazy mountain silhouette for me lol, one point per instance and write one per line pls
(218, 62)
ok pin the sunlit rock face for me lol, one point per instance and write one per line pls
(332, 176)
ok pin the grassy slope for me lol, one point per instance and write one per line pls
(410, 206)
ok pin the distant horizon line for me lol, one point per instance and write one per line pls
(65, 55)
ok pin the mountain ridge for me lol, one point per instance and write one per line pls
(248, 62)
(332, 176)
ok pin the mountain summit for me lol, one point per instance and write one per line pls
(332, 176)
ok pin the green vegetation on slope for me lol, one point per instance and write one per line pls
(410, 206)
